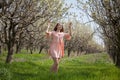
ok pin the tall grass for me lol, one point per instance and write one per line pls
(85, 67)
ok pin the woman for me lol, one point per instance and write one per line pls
(56, 49)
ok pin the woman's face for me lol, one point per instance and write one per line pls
(59, 27)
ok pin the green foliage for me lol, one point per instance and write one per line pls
(4, 74)
(85, 67)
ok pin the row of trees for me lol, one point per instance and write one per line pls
(106, 13)
(23, 25)
(82, 40)
(18, 21)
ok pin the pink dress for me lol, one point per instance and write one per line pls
(56, 49)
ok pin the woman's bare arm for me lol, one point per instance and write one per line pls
(47, 30)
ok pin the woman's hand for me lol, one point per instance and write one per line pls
(48, 23)
(48, 26)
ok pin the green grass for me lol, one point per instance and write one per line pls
(85, 67)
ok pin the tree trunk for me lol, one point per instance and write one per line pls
(114, 53)
(117, 63)
(69, 51)
(4, 47)
(9, 55)
(31, 51)
(27, 48)
(78, 51)
(0, 50)
(41, 48)
(17, 49)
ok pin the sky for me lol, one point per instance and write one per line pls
(75, 10)
(83, 18)
(81, 15)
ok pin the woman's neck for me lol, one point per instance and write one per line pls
(57, 30)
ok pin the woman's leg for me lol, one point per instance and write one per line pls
(55, 65)
(58, 61)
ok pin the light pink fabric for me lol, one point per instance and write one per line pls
(56, 49)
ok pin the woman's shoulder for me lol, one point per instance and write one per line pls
(52, 31)
(63, 32)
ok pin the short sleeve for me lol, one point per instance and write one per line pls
(67, 36)
(48, 34)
